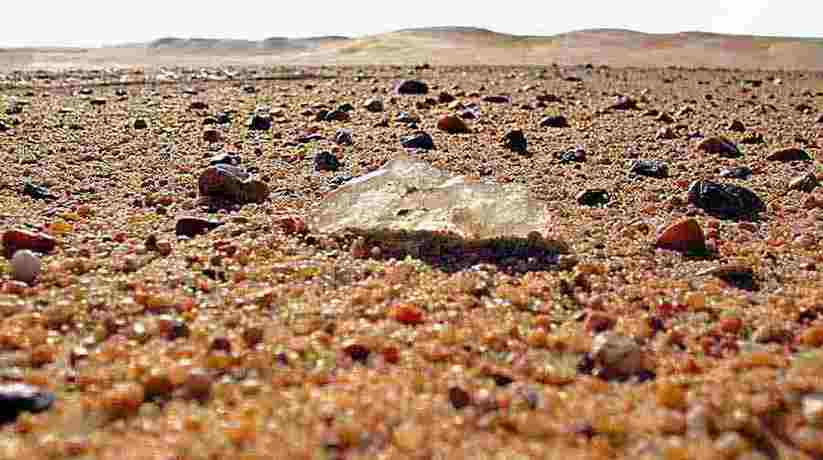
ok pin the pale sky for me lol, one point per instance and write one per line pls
(94, 22)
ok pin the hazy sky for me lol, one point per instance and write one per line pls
(96, 22)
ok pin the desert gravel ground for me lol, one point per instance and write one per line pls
(264, 339)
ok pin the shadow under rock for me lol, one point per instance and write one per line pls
(452, 253)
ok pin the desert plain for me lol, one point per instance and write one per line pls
(175, 287)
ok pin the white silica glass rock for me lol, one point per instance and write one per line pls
(409, 203)
(25, 266)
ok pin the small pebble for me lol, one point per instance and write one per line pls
(684, 235)
(719, 146)
(20, 397)
(25, 266)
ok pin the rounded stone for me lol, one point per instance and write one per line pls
(25, 266)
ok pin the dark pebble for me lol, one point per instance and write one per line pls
(497, 99)
(326, 161)
(593, 197)
(343, 137)
(459, 398)
(650, 168)
(193, 226)
(418, 140)
(20, 397)
(260, 122)
(37, 192)
(726, 201)
(573, 156)
(515, 141)
(555, 121)
(412, 87)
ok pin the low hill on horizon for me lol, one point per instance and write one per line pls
(454, 45)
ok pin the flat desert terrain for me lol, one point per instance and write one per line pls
(412, 254)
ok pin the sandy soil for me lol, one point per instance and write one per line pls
(261, 339)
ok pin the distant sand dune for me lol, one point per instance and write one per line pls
(448, 45)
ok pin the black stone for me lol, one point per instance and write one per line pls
(515, 141)
(193, 226)
(650, 168)
(178, 329)
(593, 197)
(418, 140)
(358, 353)
(37, 192)
(308, 137)
(573, 156)
(260, 122)
(445, 98)
(222, 118)
(555, 121)
(412, 87)
(343, 137)
(337, 115)
(326, 161)
(726, 201)
(198, 105)
(20, 397)
(497, 99)
(501, 380)
(586, 365)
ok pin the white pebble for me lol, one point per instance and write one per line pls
(25, 266)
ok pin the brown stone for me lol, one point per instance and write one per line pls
(14, 240)
(616, 355)
(719, 146)
(212, 135)
(805, 183)
(193, 226)
(684, 236)
(452, 124)
(790, 154)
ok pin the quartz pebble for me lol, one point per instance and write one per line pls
(233, 183)
(616, 356)
(813, 409)
(25, 266)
